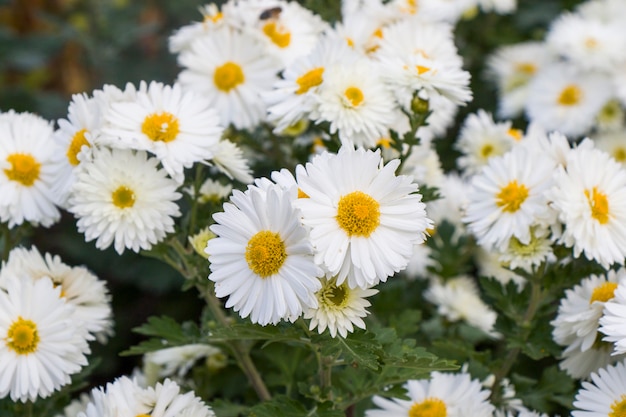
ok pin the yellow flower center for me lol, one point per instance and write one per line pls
(123, 197)
(516, 134)
(354, 96)
(358, 214)
(311, 79)
(511, 197)
(333, 297)
(486, 150)
(421, 69)
(603, 292)
(265, 253)
(276, 34)
(228, 76)
(619, 154)
(384, 143)
(599, 205)
(350, 42)
(526, 68)
(214, 18)
(570, 95)
(430, 407)
(302, 194)
(24, 168)
(618, 408)
(142, 415)
(77, 143)
(22, 337)
(160, 127)
(591, 43)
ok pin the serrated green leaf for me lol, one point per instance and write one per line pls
(287, 407)
(249, 331)
(359, 349)
(166, 333)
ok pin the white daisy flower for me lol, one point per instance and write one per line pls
(232, 70)
(79, 287)
(30, 166)
(262, 259)
(179, 128)
(490, 265)
(612, 321)
(609, 11)
(444, 394)
(508, 197)
(453, 190)
(364, 219)
(424, 165)
(580, 364)
(176, 360)
(442, 116)
(212, 18)
(229, 159)
(604, 395)
(590, 198)
(614, 143)
(339, 308)
(210, 191)
(41, 341)
(420, 262)
(120, 197)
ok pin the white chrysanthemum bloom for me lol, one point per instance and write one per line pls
(481, 138)
(424, 165)
(356, 102)
(420, 262)
(364, 219)
(605, 395)
(508, 197)
(176, 360)
(588, 44)
(262, 259)
(76, 406)
(293, 97)
(30, 166)
(614, 143)
(339, 308)
(580, 364)
(445, 11)
(609, 11)
(210, 191)
(444, 394)
(179, 128)
(212, 18)
(79, 287)
(513, 67)
(555, 145)
(528, 256)
(232, 70)
(590, 197)
(611, 117)
(121, 197)
(125, 397)
(560, 98)
(612, 321)
(419, 56)
(41, 341)
(228, 158)
(509, 405)
(459, 299)
(490, 265)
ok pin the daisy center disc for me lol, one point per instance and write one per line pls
(570, 95)
(265, 253)
(77, 143)
(228, 76)
(430, 407)
(511, 196)
(24, 168)
(599, 205)
(358, 214)
(334, 297)
(618, 408)
(421, 69)
(123, 197)
(22, 337)
(603, 292)
(161, 127)
(620, 154)
(486, 151)
(310, 79)
(526, 68)
(142, 415)
(277, 35)
(354, 96)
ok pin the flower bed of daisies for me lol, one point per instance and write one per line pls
(292, 175)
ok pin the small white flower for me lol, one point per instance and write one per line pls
(604, 395)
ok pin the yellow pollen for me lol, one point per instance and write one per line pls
(354, 95)
(526, 68)
(350, 42)
(78, 141)
(378, 33)
(411, 6)
(311, 79)
(570, 95)
(599, 205)
(142, 415)
(430, 407)
(591, 43)
(384, 143)
(603, 292)
(618, 408)
(486, 151)
(22, 337)
(358, 214)
(228, 76)
(302, 194)
(123, 197)
(58, 284)
(511, 197)
(265, 253)
(515, 134)
(279, 37)
(160, 127)
(215, 18)
(333, 297)
(421, 69)
(24, 168)
(619, 154)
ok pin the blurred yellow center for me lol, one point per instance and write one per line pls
(430, 407)
(570, 95)
(526, 68)
(160, 127)
(603, 292)
(486, 150)
(619, 154)
(354, 96)
(516, 134)
(334, 297)
(384, 142)
(214, 18)
(311, 79)
(618, 408)
(511, 196)
(421, 69)
(22, 337)
(599, 205)
(276, 34)
(228, 76)
(302, 194)
(24, 168)
(358, 214)
(77, 143)
(265, 253)
(123, 197)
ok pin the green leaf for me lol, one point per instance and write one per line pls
(358, 350)
(286, 407)
(283, 332)
(166, 332)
